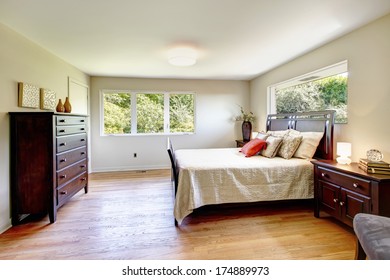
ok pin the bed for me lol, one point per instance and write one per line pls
(227, 175)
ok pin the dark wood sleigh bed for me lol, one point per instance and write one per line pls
(223, 176)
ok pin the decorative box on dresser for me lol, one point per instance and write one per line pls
(49, 162)
(345, 190)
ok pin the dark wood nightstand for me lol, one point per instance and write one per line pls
(345, 190)
(241, 143)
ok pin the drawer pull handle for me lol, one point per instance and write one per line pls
(62, 131)
(63, 192)
(82, 153)
(62, 120)
(355, 185)
(342, 203)
(63, 176)
(323, 174)
(82, 129)
(82, 166)
(82, 120)
(335, 200)
(82, 140)
(83, 179)
(63, 160)
(63, 144)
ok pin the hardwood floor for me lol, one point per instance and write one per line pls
(128, 215)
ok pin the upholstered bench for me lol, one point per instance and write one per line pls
(373, 237)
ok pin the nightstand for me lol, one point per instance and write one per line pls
(342, 191)
(241, 143)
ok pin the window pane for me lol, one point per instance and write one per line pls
(181, 113)
(150, 113)
(117, 113)
(324, 94)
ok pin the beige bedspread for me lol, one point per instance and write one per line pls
(216, 176)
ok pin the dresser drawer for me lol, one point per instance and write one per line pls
(70, 129)
(70, 120)
(71, 188)
(347, 181)
(71, 171)
(69, 157)
(65, 143)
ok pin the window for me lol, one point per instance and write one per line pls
(133, 112)
(325, 89)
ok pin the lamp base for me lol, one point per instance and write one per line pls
(343, 160)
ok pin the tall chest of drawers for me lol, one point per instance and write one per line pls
(49, 162)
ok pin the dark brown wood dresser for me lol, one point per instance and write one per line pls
(49, 162)
(342, 191)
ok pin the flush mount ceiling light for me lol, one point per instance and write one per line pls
(182, 56)
(182, 61)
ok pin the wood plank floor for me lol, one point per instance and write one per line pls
(128, 215)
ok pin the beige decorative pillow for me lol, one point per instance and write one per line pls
(273, 144)
(309, 144)
(289, 145)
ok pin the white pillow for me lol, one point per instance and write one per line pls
(309, 144)
(262, 135)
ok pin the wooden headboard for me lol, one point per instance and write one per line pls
(316, 121)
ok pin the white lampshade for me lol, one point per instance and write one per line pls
(344, 152)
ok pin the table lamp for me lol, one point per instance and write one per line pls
(344, 152)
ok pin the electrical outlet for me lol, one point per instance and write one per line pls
(135, 155)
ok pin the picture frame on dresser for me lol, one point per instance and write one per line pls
(49, 162)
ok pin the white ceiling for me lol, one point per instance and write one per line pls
(235, 39)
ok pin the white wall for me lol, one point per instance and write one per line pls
(23, 61)
(217, 103)
(368, 53)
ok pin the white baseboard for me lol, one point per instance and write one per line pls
(5, 226)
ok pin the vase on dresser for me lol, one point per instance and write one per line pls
(67, 105)
(246, 130)
(60, 106)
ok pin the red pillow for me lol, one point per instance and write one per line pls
(253, 147)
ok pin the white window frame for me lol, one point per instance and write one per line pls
(331, 70)
(133, 94)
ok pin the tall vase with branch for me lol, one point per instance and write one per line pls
(247, 118)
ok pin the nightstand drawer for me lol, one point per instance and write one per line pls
(350, 182)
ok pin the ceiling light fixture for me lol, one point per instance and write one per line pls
(182, 60)
(182, 56)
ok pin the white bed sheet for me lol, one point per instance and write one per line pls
(216, 176)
